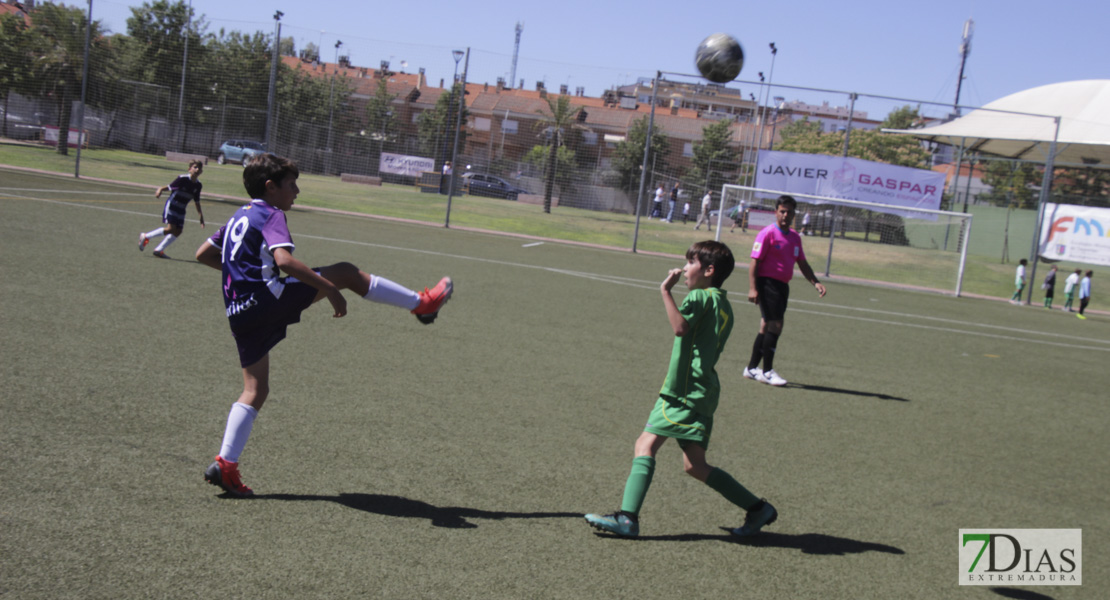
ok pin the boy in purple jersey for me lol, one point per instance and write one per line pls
(776, 250)
(183, 189)
(251, 251)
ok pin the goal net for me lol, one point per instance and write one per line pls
(910, 247)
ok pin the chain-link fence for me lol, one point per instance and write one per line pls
(178, 87)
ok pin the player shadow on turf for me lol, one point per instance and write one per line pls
(1018, 594)
(822, 388)
(454, 517)
(808, 543)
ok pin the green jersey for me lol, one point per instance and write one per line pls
(692, 376)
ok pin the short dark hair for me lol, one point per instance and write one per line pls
(267, 167)
(712, 252)
(784, 200)
(1090, 273)
(1023, 262)
(196, 163)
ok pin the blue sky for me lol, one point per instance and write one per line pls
(876, 48)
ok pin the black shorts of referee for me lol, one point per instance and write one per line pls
(773, 295)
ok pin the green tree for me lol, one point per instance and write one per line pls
(540, 157)
(165, 35)
(238, 72)
(560, 119)
(901, 118)
(1010, 183)
(433, 129)
(16, 60)
(807, 138)
(713, 158)
(160, 30)
(1088, 186)
(381, 125)
(302, 98)
(800, 127)
(59, 64)
(628, 156)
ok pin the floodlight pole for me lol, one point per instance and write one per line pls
(84, 91)
(847, 135)
(331, 107)
(647, 152)
(272, 98)
(1046, 193)
(458, 125)
(184, 64)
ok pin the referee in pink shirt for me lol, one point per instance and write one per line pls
(776, 250)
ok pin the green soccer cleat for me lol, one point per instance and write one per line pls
(618, 523)
(756, 520)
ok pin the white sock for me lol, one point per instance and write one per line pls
(166, 242)
(153, 233)
(387, 292)
(239, 423)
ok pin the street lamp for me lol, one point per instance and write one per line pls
(272, 98)
(458, 56)
(770, 79)
(775, 120)
(331, 103)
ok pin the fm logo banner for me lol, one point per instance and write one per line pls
(1076, 233)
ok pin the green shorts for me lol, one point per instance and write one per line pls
(676, 420)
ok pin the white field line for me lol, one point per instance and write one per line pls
(958, 327)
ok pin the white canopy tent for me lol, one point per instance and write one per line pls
(1061, 124)
(1023, 125)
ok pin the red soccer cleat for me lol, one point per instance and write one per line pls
(225, 474)
(433, 300)
(143, 241)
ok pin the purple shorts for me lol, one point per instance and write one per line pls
(260, 328)
(173, 213)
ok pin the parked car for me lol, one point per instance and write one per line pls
(480, 184)
(239, 151)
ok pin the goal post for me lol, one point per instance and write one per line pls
(910, 247)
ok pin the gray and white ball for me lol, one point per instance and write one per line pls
(719, 58)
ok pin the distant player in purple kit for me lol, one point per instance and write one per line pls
(183, 189)
(776, 250)
(251, 251)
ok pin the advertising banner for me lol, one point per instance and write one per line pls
(851, 179)
(1076, 233)
(50, 136)
(409, 166)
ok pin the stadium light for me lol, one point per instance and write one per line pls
(331, 105)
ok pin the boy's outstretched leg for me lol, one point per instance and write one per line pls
(425, 305)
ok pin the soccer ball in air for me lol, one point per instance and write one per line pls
(719, 58)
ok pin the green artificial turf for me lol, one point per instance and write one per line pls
(396, 460)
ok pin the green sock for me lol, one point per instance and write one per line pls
(731, 489)
(639, 480)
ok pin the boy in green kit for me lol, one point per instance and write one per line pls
(688, 399)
